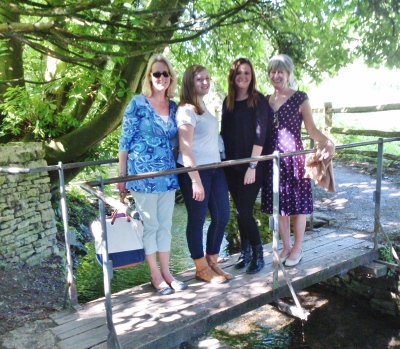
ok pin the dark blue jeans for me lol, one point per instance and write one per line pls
(216, 201)
(244, 198)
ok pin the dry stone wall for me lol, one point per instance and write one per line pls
(27, 220)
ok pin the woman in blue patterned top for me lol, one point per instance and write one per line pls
(148, 127)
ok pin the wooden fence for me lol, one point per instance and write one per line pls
(328, 111)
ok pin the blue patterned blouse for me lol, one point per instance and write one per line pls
(147, 139)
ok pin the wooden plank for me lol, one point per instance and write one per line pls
(215, 311)
(154, 345)
(144, 319)
(64, 332)
(85, 339)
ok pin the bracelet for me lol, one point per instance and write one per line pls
(122, 174)
(194, 181)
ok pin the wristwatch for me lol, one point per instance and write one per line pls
(252, 166)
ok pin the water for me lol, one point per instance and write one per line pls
(334, 321)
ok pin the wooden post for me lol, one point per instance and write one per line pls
(328, 118)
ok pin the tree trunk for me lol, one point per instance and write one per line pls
(72, 146)
(11, 66)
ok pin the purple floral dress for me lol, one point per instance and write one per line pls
(295, 194)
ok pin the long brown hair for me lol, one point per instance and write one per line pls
(187, 94)
(252, 91)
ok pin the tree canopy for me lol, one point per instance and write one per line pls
(69, 68)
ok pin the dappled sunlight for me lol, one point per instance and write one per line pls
(146, 324)
(335, 235)
(361, 236)
(171, 318)
(189, 295)
(339, 204)
(125, 327)
(188, 312)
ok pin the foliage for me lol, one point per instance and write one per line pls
(28, 113)
(385, 253)
(70, 68)
(81, 213)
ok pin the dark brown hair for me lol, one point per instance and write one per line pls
(252, 91)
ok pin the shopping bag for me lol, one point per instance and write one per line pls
(124, 237)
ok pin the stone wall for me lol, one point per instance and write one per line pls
(382, 294)
(27, 220)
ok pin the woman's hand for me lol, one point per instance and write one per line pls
(198, 191)
(121, 187)
(328, 151)
(250, 176)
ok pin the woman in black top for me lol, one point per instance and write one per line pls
(243, 129)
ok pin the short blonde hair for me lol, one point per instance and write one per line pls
(147, 85)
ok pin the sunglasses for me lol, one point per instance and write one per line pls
(157, 74)
(276, 119)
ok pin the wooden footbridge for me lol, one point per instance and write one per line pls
(140, 318)
(143, 319)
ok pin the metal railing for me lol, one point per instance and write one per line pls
(112, 338)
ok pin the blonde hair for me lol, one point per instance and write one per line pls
(147, 85)
(187, 95)
(283, 62)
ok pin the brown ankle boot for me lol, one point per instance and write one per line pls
(212, 261)
(204, 272)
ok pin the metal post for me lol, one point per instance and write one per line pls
(112, 338)
(328, 118)
(377, 192)
(275, 217)
(312, 191)
(68, 237)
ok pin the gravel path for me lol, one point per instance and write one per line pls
(352, 205)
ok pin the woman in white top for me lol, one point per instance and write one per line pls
(202, 190)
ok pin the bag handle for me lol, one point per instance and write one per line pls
(122, 196)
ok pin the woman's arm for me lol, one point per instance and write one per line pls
(123, 169)
(329, 147)
(125, 139)
(186, 132)
(260, 135)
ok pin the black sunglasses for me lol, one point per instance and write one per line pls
(157, 74)
(276, 119)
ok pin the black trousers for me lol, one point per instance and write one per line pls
(244, 198)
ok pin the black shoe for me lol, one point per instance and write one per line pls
(257, 262)
(243, 260)
(245, 255)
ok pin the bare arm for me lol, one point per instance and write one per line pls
(186, 133)
(123, 169)
(329, 147)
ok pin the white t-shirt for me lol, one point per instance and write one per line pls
(205, 137)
